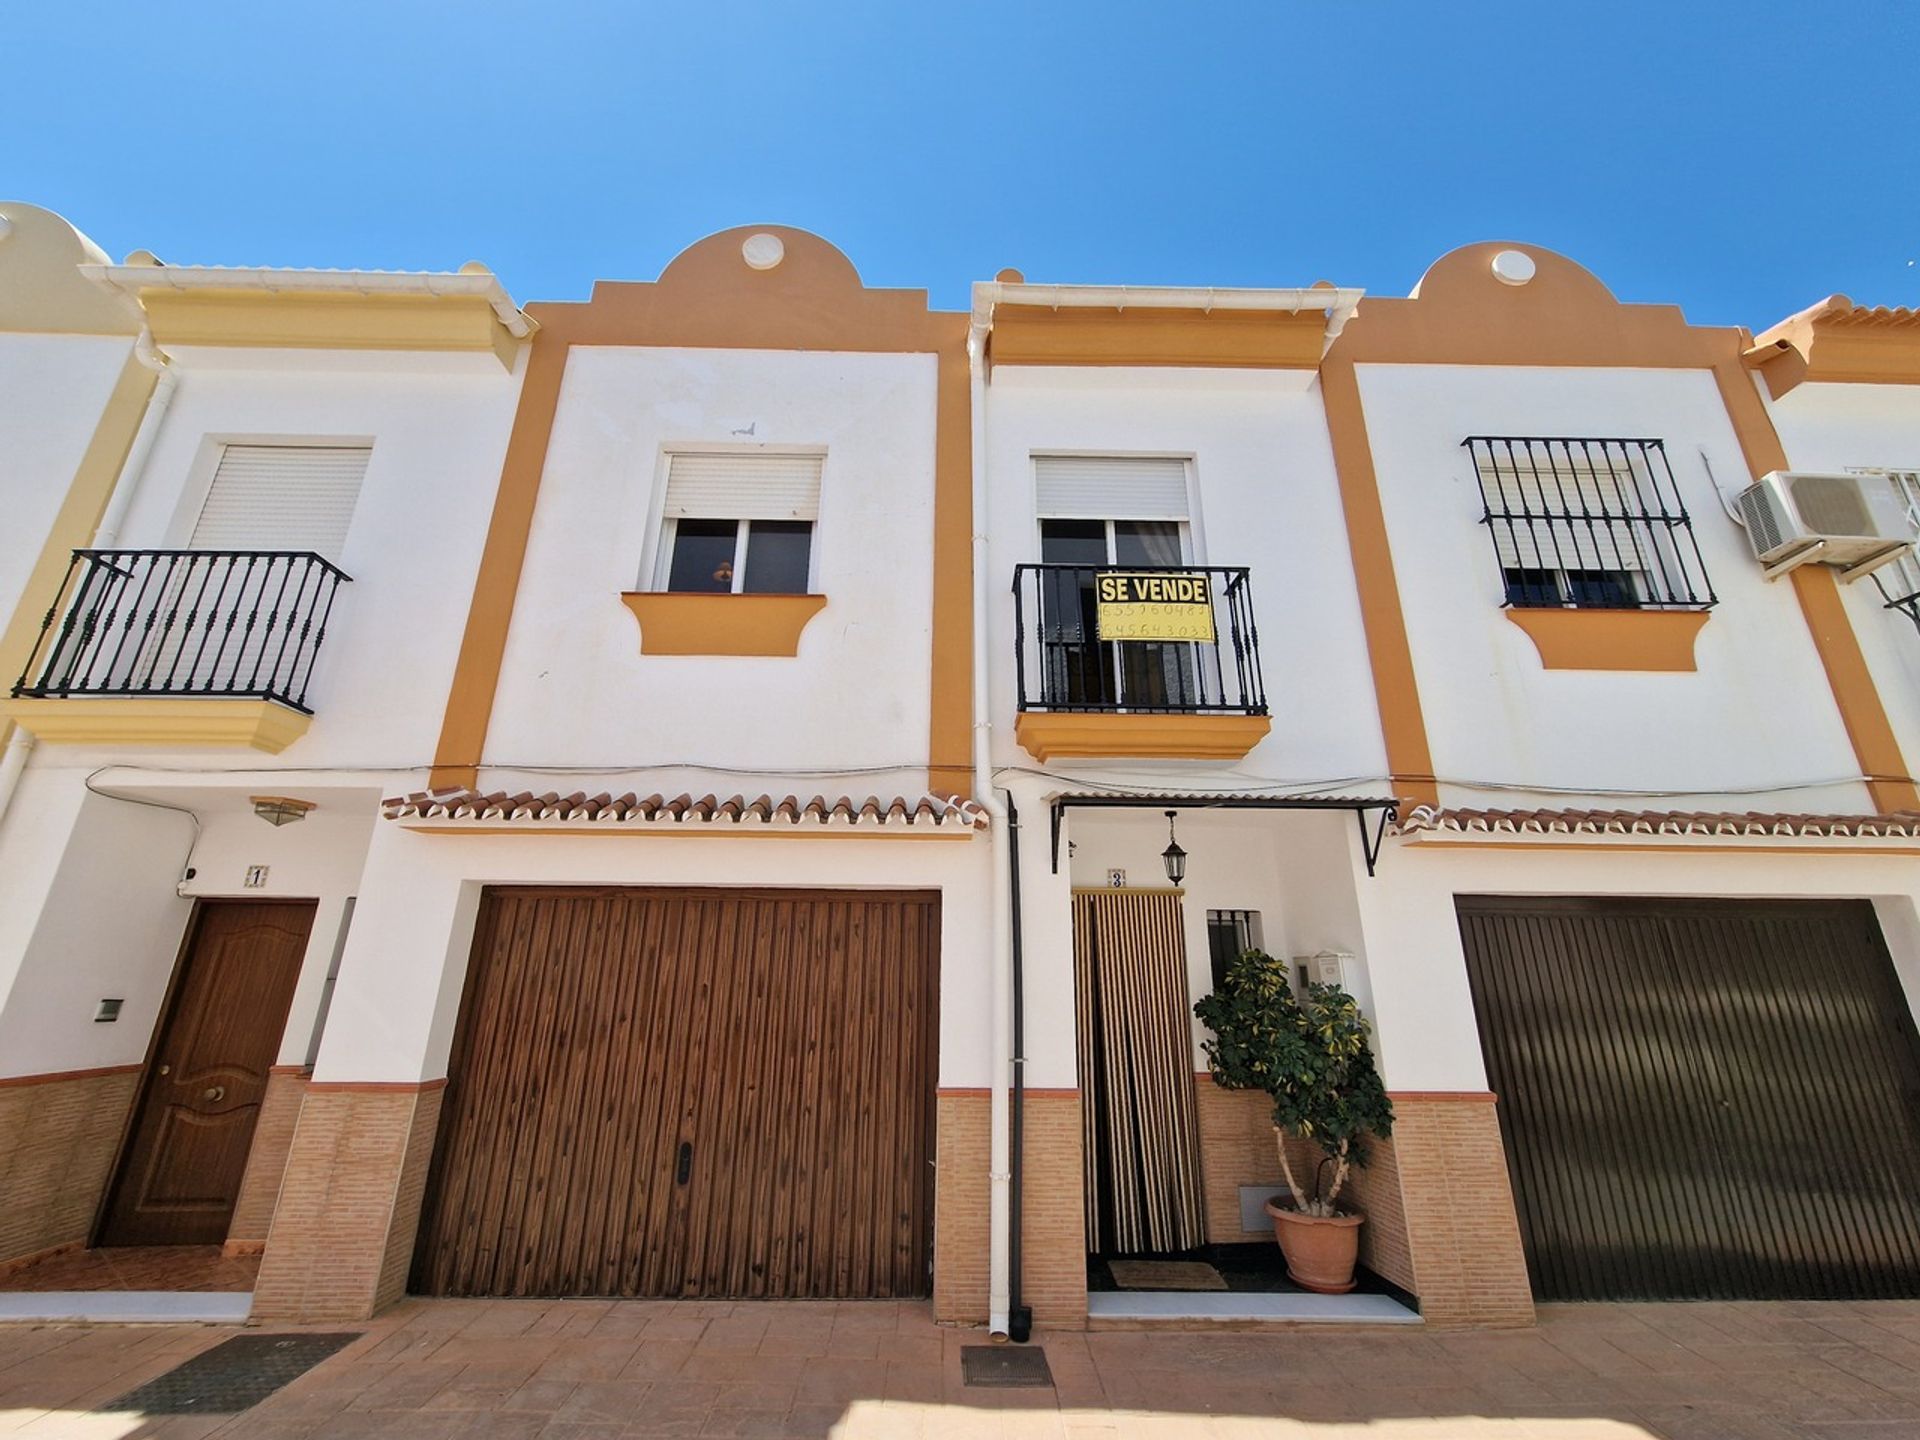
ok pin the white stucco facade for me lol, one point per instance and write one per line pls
(1753, 726)
(53, 391)
(435, 427)
(575, 691)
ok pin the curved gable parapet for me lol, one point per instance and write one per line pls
(771, 287)
(1546, 310)
(41, 287)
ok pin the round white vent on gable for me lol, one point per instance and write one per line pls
(763, 251)
(1513, 267)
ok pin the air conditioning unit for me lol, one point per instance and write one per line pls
(1797, 517)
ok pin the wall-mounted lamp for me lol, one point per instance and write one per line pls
(1173, 856)
(278, 810)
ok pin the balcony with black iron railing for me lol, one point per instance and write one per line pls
(237, 626)
(1097, 676)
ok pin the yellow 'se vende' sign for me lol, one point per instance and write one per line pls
(1154, 607)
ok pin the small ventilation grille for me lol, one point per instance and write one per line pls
(1833, 505)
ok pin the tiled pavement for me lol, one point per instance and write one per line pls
(593, 1370)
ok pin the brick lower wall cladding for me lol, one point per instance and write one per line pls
(1462, 1232)
(58, 1138)
(1053, 1223)
(1440, 1217)
(267, 1159)
(343, 1231)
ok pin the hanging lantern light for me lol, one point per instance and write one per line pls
(1173, 857)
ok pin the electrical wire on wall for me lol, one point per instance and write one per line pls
(186, 866)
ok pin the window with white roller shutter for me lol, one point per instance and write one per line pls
(282, 497)
(1110, 487)
(739, 523)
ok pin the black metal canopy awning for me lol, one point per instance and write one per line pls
(1372, 834)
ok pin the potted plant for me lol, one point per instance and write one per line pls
(1311, 1057)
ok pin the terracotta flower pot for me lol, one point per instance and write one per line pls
(1321, 1250)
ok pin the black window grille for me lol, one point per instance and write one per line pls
(1230, 933)
(1588, 524)
(1899, 582)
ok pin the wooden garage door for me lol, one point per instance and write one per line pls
(692, 1092)
(1702, 1099)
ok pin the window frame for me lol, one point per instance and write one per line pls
(1244, 923)
(655, 576)
(1671, 573)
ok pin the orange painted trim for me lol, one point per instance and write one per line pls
(374, 1087)
(290, 1070)
(1875, 746)
(682, 624)
(53, 1077)
(979, 1092)
(1048, 736)
(1612, 639)
(1240, 339)
(1473, 1097)
(708, 298)
(950, 718)
(1396, 689)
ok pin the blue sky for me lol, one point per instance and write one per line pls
(1741, 159)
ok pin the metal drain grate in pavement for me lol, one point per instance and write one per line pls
(1006, 1366)
(234, 1375)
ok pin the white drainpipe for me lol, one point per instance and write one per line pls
(1000, 933)
(135, 467)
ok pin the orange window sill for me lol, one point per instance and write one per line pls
(1154, 737)
(1650, 640)
(672, 624)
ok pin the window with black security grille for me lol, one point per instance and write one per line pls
(1230, 933)
(1899, 581)
(1588, 524)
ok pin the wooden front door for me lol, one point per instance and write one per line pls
(180, 1169)
(690, 1092)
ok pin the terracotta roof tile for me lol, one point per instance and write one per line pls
(791, 812)
(1426, 820)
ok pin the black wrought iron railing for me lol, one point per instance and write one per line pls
(240, 623)
(1588, 523)
(1065, 662)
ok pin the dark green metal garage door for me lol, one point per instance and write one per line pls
(1699, 1098)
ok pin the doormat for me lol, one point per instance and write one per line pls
(1006, 1367)
(1165, 1275)
(234, 1375)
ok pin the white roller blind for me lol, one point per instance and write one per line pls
(743, 487)
(282, 497)
(1603, 500)
(1111, 487)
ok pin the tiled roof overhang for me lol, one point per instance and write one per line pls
(1838, 340)
(473, 809)
(1751, 824)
